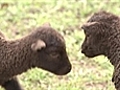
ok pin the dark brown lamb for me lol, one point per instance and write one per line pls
(43, 48)
(102, 37)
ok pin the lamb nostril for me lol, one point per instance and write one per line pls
(70, 67)
(82, 51)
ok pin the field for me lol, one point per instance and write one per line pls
(17, 18)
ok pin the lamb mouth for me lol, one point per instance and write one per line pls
(89, 55)
(63, 71)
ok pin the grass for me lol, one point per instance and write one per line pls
(20, 17)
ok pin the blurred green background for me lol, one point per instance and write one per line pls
(19, 17)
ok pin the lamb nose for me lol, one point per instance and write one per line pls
(82, 51)
(69, 68)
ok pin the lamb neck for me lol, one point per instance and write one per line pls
(15, 57)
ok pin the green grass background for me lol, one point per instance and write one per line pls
(19, 17)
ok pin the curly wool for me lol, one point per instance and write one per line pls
(17, 56)
(106, 26)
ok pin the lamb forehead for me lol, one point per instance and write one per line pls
(50, 35)
(102, 16)
(57, 37)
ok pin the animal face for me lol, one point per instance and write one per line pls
(96, 38)
(99, 31)
(54, 59)
(50, 51)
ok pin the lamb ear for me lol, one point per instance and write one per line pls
(88, 24)
(38, 45)
(46, 25)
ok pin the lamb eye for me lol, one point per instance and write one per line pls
(54, 54)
